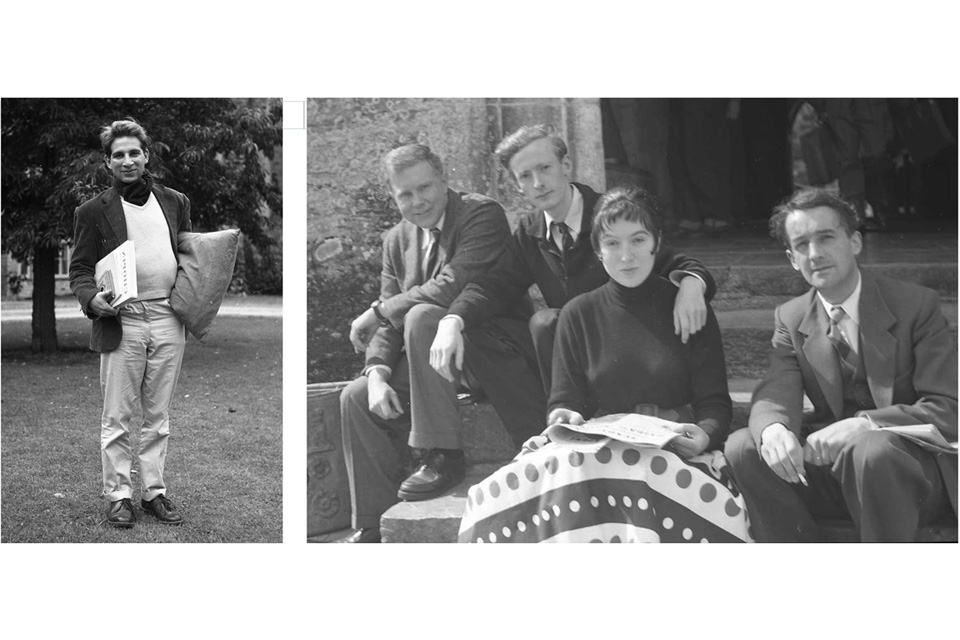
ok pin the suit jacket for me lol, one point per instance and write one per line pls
(908, 353)
(475, 231)
(99, 228)
(532, 257)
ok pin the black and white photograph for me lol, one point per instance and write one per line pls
(142, 320)
(632, 320)
(691, 279)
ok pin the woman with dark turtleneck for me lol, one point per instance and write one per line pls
(617, 352)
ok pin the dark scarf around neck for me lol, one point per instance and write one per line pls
(136, 192)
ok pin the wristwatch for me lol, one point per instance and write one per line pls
(376, 311)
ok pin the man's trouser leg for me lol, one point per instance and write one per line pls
(434, 414)
(543, 330)
(500, 356)
(371, 448)
(892, 487)
(776, 508)
(847, 140)
(653, 138)
(164, 357)
(889, 487)
(121, 374)
(145, 365)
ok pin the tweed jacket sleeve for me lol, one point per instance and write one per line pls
(779, 396)
(494, 292)
(387, 341)
(83, 260)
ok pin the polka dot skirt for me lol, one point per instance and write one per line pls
(619, 493)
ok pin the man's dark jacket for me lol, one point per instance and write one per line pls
(99, 228)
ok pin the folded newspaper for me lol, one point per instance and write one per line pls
(632, 428)
(926, 435)
(117, 272)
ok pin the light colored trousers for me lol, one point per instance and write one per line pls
(145, 367)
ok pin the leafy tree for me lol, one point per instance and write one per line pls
(209, 149)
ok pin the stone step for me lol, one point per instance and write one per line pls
(436, 520)
(732, 318)
(748, 280)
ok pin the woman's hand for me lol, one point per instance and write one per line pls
(566, 416)
(692, 441)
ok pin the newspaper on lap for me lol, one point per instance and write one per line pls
(925, 435)
(632, 428)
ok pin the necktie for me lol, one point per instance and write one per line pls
(433, 252)
(566, 239)
(839, 339)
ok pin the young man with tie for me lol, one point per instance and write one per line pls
(869, 352)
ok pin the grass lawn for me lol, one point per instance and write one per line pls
(223, 467)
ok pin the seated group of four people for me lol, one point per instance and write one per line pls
(627, 329)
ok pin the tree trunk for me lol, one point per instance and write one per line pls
(44, 287)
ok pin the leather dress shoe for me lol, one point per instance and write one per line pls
(367, 534)
(121, 514)
(439, 470)
(163, 510)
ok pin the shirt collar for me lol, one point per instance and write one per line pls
(574, 217)
(426, 237)
(851, 306)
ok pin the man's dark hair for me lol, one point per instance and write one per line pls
(128, 128)
(405, 157)
(627, 203)
(804, 200)
(513, 143)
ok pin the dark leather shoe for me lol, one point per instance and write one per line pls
(162, 509)
(439, 470)
(121, 514)
(369, 534)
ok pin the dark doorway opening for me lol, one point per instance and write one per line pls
(751, 152)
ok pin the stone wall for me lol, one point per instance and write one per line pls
(348, 208)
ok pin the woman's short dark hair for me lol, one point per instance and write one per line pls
(128, 128)
(804, 200)
(626, 203)
(512, 144)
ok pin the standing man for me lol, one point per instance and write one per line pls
(869, 352)
(862, 129)
(550, 248)
(141, 342)
(446, 238)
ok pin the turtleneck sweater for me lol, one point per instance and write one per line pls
(616, 349)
